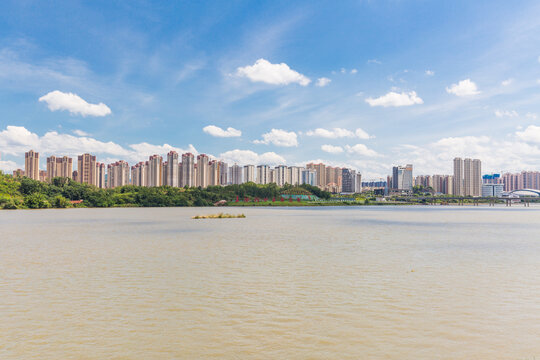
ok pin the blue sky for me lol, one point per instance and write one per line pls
(364, 84)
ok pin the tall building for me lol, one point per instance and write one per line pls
(236, 174)
(402, 177)
(358, 182)
(459, 189)
(467, 177)
(349, 179)
(263, 174)
(172, 169)
(295, 175)
(31, 165)
(202, 170)
(118, 174)
(249, 173)
(223, 173)
(214, 172)
(100, 175)
(139, 174)
(155, 171)
(309, 176)
(282, 175)
(188, 170)
(59, 167)
(320, 169)
(86, 169)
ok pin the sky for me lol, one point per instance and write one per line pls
(361, 84)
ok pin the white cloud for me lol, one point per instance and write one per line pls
(507, 82)
(248, 157)
(463, 88)
(336, 133)
(531, 115)
(343, 71)
(361, 149)
(275, 74)
(430, 72)
(16, 140)
(219, 132)
(530, 134)
(354, 71)
(332, 149)
(374, 61)
(321, 82)
(8, 166)
(520, 151)
(80, 133)
(279, 137)
(57, 100)
(506, 113)
(396, 99)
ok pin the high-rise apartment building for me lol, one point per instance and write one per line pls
(155, 171)
(86, 169)
(459, 189)
(295, 175)
(214, 173)
(282, 175)
(202, 170)
(402, 178)
(31, 165)
(172, 169)
(320, 169)
(118, 174)
(249, 173)
(349, 181)
(309, 176)
(263, 174)
(59, 167)
(100, 175)
(467, 177)
(223, 173)
(139, 175)
(236, 174)
(188, 170)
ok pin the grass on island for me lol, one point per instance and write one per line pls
(219, 216)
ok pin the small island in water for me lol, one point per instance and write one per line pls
(220, 216)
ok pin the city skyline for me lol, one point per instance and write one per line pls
(279, 85)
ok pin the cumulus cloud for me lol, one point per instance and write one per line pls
(80, 133)
(374, 61)
(279, 137)
(396, 99)
(354, 71)
(530, 134)
(275, 74)
(463, 88)
(57, 100)
(248, 157)
(506, 113)
(507, 82)
(16, 140)
(361, 149)
(8, 166)
(516, 152)
(336, 133)
(219, 132)
(531, 115)
(332, 149)
(321, 82)
(430, 72)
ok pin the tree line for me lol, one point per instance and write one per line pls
(21, 193)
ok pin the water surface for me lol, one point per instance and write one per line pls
(284, 283)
